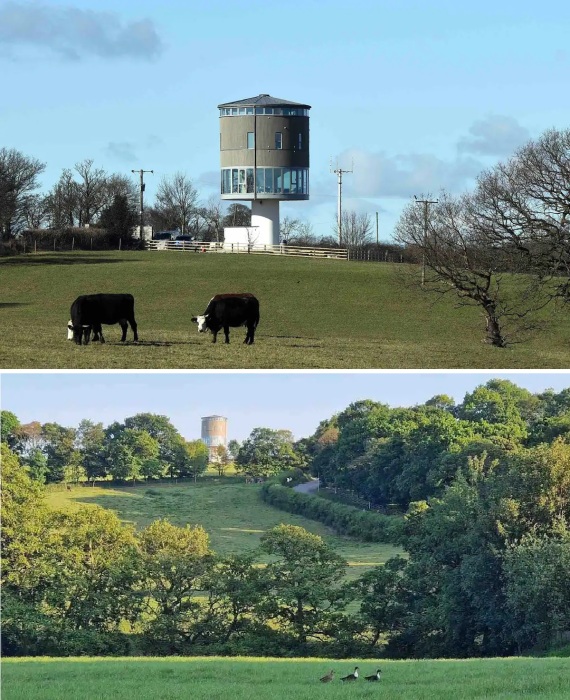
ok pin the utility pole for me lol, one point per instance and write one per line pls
(339, 172)
(376, 228)
(142, 172)
(426, 203)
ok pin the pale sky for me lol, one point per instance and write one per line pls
(296, 401)
(415, 96)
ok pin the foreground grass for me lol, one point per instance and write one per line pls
(264, 679)
(232, 513)
(314, 314)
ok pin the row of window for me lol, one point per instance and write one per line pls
(282, 111)
(278, 141)
(269, 181)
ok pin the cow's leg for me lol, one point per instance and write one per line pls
(124, 327)
(86, 334)
(249, 335)
(214, 336)
(227, 333)
(134, 329)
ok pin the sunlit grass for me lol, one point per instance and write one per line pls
(314, 314)
(281, 679)
(232, 513)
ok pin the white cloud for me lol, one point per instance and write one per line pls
(74, 34)
(122, 150)
(496, 135)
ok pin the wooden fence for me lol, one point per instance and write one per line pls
(201, 247)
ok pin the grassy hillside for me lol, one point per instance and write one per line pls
(245, 679)
(314, 314)
(232, 513)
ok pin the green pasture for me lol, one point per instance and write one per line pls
(314, 314)
(284, 679)
(231, 512)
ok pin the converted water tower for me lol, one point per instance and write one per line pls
(214, 433)
(264, 158)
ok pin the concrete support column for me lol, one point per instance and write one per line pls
(265, 215)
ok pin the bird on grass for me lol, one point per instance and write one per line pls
(328, 677)
(351, 676)
(374, 677)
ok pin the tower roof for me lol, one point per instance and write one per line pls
(264, 101)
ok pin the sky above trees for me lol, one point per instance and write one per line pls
(418, 96)
(292, 401)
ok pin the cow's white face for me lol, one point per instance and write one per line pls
(69, 331)
(201, 321)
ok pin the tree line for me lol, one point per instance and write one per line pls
(143, 447)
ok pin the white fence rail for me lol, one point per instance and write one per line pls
(198, 247)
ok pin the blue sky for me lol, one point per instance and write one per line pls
(418, 95)
(293, 401)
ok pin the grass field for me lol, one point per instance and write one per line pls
(314, 314)
(270, 679)
(232, 513)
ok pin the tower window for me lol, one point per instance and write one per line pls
(250, 139)
(300, 142)
(278, 140)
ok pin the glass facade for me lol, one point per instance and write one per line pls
(282, 111)
(268, 181)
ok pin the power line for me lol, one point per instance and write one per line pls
(142, 186)
(426, 203)
(339, 172)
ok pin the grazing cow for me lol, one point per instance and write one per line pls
(225, 310)
(88, 312)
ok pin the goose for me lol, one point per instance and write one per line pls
(328, 677)
(375, 677)
(351, 676)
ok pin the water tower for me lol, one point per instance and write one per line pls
(264, 158)
(214, 433)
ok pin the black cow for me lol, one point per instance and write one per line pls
(225, 310)
(89, 311)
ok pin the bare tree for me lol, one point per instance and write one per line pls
(18, 179)
(524, 204)
(213, 216)
(459, 260)
(35, 211)
(176, 200)
(356, 229)
(237, 215)
(63, 202)
(92, 191)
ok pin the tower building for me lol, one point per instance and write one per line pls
(264, 158)
(214, 433)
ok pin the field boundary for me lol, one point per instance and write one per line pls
(212, 247)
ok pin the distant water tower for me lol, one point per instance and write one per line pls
(264, 157)
(214, 433)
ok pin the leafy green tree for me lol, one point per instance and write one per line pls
(127, 452)
(383, 599)
(9, 425)
(23, 533)
(305, 582)
(194, 458)
(537, 572)
(59, 449)
(236, 588)
(92, 446)
(36, 461)
(223, 459)
(266, 452)
(161, 429)
(175, 561)
(97, 570)
(152, 468)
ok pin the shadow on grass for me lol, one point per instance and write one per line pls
(61, 260)
(9, 304)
